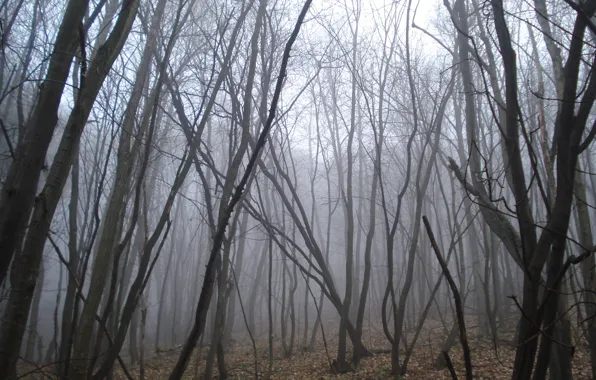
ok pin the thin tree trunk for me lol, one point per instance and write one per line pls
(34, 316)
(142, 349)
(231, 313)
(207, 289)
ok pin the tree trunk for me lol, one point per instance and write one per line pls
(252, 303)
(33, 335)
(583, 225)
(231, 313)
(20, 185)
(142, 349)
(26, 268)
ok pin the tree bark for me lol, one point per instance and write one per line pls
(20, 185)
(26, 268)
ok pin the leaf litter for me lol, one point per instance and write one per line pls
(490, 359)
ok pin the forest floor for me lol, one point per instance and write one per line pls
(490, 360)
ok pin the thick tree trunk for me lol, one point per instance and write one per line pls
(26, 268)
(584, 227)
(20, 185)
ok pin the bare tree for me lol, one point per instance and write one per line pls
(26, 267)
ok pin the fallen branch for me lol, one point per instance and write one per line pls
(449, 364)
(457, 299)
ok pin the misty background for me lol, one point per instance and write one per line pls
(197, 173)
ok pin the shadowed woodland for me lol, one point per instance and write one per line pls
(361, 189)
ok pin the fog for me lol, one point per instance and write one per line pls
(225, 188)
